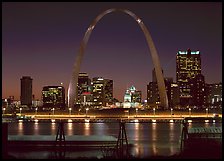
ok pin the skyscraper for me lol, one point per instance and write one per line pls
(53, 97)
(188, 65)
(26, 91)
(102, 91)
(98, 90)
(84, 86)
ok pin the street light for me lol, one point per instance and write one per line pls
(171, 112)
(136, 111)
(189, 112)
(3, 111)
(20, 111)
(154, 111)
(79, 111)
(53, 111)
(207, 112)
(70, 110)
(36, 111)
(87, 109)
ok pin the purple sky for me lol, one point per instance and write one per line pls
(41, 40)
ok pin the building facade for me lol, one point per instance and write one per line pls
(84, 86)
(108, 92)
(153, 99)
(198, 91)
(132, 98)
(26, 91)
(102, 91)
(214, 95)
(188, 65)
(53, 97)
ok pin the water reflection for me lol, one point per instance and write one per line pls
(70, 128)
(100, 128)
(87, 128)
(172, 149)
(207, 124)
(190, 125)
(154, 132)
(154, 139)
(148, 138)
(20, 128)
(53, 128)
(171, 138)
(36, 128)
(154, 149)
(136, 137)
(171, 131)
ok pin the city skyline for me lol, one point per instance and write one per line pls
(44, 44)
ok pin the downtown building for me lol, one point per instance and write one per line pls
(102, 92)
(191, 86)
(198, 91)
(132, 98)
(214, 95)
(84, 96)
(26, 91)
(53, 97)
(172, 90)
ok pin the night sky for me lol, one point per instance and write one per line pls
(41, 40)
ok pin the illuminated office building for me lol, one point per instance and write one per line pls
(102, 91)
(53, 97)
(84, 86)
(188, 66)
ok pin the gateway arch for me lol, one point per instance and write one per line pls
(72, 90)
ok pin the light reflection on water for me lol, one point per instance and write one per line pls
(87, 128)
(148, 138)
(70, 128)
(154, 138)
(36, 128)
(53, 128)
(171, 138)
(136, 134)
(20, 128)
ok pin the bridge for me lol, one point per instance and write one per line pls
(116, 118)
